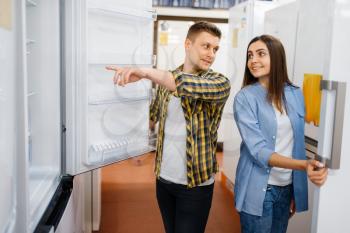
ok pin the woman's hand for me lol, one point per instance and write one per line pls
(317, 172)
(292, 208)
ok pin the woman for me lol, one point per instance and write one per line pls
(271, 177)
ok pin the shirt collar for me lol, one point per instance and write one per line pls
(199, 73)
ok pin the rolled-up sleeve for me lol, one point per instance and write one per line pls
(249, 129)
(155, 106)
(210, 87)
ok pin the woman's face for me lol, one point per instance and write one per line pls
(258, 60)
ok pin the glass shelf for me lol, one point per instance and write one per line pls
(31, 3)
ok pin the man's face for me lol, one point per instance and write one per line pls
(201, 50)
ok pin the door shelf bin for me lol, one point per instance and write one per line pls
(117, 130)
(118, 150)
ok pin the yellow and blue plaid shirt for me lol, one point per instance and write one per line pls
(203, 97)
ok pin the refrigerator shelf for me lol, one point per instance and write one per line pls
(147, 15)
(31, 3)
(31, 94)
(115, 101)
(30, 41)
(124, 59)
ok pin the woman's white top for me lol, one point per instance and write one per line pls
(174, 161)
(283, 146)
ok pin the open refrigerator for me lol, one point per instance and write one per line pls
(64, 116)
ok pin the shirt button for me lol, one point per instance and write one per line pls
(273, 137)
(264, 190)
(267, 170)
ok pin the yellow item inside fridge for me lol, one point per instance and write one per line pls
(312, 96)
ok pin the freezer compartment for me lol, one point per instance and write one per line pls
(117, 130)
(109, 40)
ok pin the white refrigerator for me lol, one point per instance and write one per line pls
(315, 32)
(61, 115)
(315, 35)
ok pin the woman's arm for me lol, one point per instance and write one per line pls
(316, 171)
(277, 160)
(263, 156)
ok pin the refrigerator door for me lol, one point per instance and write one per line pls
(8, 115)
(310, 64)
(42, 56)
(105, 123)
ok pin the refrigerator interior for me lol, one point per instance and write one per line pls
(8, 117)
(43, 104)
(106, 123)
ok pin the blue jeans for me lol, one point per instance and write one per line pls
(275, 214)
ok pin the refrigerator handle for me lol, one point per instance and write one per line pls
(330, 150)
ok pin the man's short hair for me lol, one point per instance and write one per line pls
(203, 26)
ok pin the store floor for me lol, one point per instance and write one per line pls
(129, 204)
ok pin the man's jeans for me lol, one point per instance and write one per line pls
(275, 212)
(184, 210)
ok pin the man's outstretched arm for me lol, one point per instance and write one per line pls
(125, 75)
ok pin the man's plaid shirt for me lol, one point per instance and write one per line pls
(203, 96)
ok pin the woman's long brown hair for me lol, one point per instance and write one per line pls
(278, 71)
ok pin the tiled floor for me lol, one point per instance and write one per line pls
(129, 204)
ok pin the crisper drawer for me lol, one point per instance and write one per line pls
(117, 131)
(101, 88)
(119, 36)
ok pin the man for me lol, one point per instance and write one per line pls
(188, 106)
